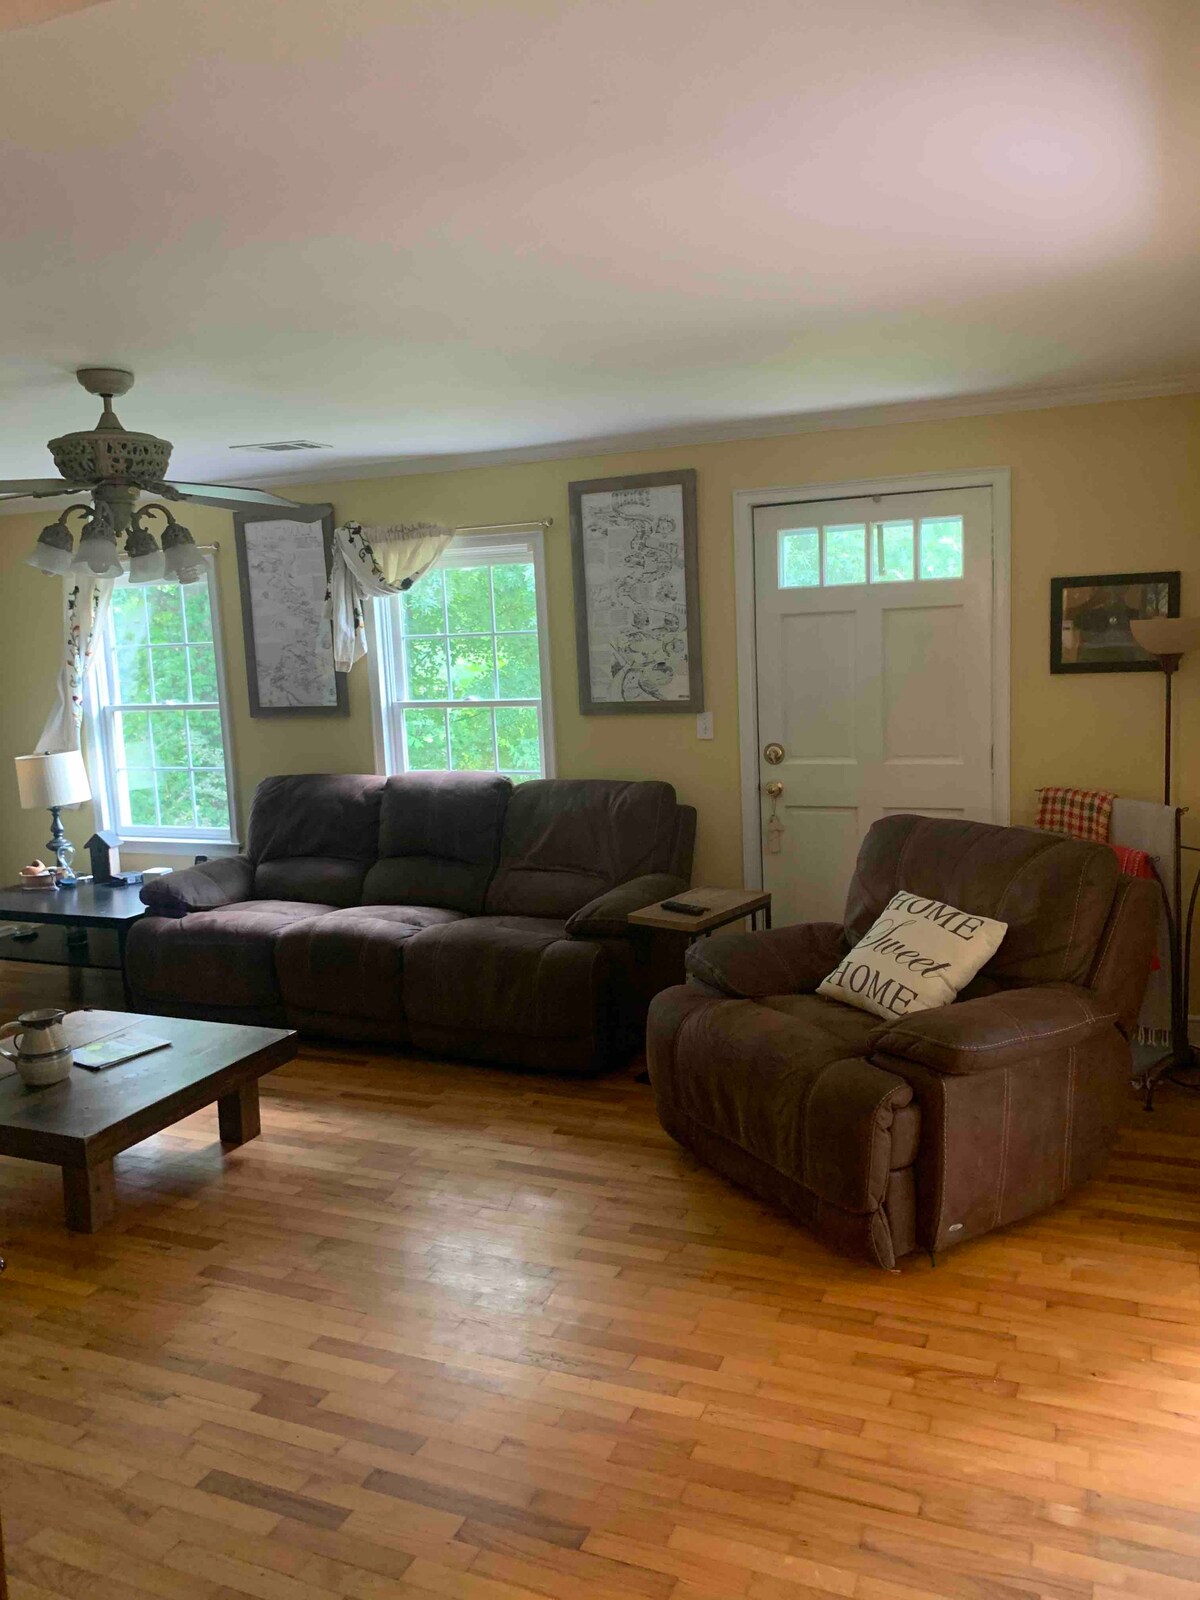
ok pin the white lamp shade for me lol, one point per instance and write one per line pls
(59, 779)
(1167, 636)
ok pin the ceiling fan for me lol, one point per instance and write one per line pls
(117, 467)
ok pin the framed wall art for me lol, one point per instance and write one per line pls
(637, 606)
(283, 556)
(1090, 617)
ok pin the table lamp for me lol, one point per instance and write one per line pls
(1168, 638)
(53, 781)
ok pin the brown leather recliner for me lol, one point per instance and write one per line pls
(924, 1132)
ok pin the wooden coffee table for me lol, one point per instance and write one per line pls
(82, 1123)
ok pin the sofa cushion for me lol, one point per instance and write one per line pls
(498, 975)
(219, 958)
(786, 1080)
(567, 840)
(439, 838)
(1055, 894)
(350, 962)
(312, 836)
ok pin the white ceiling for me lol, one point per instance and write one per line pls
(422, 227)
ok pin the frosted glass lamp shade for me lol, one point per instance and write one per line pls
(53, 551)
(52, 780)
(98, 554)
(1167, 636)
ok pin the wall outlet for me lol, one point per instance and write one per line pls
(704, 726)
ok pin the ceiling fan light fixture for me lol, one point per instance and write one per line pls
(54, 548)
(147, 564)
(98, 547)
(183, 560)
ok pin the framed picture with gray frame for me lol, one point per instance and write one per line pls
(283, 556)
(637, 600)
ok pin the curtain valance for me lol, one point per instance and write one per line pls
(374, 561)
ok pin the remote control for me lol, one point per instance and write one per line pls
(685, 908)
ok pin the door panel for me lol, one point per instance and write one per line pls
(874, 656)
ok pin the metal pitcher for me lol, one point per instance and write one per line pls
(40, 1051)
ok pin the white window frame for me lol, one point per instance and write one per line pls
(157, 838)
(384, 642)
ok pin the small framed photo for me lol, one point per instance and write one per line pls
(1090, 617)
(637, 602)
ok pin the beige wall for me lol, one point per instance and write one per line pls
(1103, 488)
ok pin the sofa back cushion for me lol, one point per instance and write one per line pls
(312, 836)
(439, 839)
(1054, 893)
(567, 840)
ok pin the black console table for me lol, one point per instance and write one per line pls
(88, 906)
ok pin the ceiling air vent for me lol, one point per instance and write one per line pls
(284, 444)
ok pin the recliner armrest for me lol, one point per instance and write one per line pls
(219, 882)
(997, 1030)
(606, 916)
(778, 961)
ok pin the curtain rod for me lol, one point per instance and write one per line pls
(506, 527)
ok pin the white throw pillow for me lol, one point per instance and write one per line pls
(916, 956)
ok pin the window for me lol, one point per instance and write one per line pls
(158, 714)
(462, 678)
(922, 550)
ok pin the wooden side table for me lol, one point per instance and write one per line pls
(722, 906)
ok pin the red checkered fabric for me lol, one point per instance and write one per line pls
(1083, 813)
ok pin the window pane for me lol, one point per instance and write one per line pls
(128, 616)
(846, 554)
(426, 665)
(519, 672)
(204, 728)
(198, 612)
(175, 799)
(468, 600)
(425, 741)
(143, 805)
(204, 671)
(472, 668)
(799, 559)
(515, 596)
(422, 605)
(133, 676)
(164, 609)
(471, 748)
(169, 729)
(892, 552)
(941, 547)
(133, 739)
(517, 739)
(170, 674)
(212, 801)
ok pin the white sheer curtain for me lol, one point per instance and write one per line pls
(374, 561)
(85, 609)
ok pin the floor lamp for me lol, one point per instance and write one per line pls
(1169, 639)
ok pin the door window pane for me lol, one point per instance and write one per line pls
(846, 554)
(941, 547)
(800, 558)
(892, 552)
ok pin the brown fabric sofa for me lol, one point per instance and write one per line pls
(933, 1129)
(451, 911)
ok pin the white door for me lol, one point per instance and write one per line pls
(875, 659)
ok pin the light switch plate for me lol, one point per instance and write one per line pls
(704, 725)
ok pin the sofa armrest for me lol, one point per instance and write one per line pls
(605, 917)
(997, 1030)
(202, 888)
(779, 961)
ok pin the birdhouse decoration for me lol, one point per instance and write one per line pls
(104, 849)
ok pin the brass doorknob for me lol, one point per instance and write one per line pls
(774, 789)
(773, 754)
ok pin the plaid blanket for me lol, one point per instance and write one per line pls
(1083, 813)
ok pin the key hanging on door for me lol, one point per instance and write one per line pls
(774, 826)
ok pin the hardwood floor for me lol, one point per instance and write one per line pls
(452, 1332)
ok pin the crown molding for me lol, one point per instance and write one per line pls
(993, 403)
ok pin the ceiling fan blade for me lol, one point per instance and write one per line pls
(228, 494)
(24, 488)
